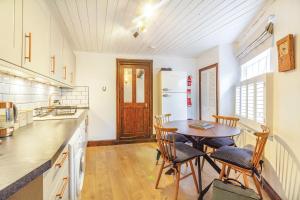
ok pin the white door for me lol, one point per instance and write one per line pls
(173, 81)
(175, 104)
(11, 31)
(208, 94)
(36, 20)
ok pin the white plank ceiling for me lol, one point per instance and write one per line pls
(180, 28)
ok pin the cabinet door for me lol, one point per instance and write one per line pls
(36, 36)
(11, 31)
(56, 51)
(71, 78)
(69, 64)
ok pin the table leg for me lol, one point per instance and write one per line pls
(199, 145)
(212, 163)
(199, 180)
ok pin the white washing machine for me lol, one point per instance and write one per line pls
(77, 149)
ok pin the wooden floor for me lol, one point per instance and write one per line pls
(128, 172)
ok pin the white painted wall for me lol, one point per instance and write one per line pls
(282, 151)
(229, 72)
(97, 70)
(208, 57)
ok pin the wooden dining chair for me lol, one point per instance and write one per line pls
(244, 160)
(174, 155)
(159, 121)
(216, 143)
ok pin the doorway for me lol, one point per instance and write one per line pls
(208, 92)
(134, 99)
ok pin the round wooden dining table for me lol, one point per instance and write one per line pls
(197, 136)
(217, 131)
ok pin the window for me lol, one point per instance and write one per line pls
(256, 66)
(250, 100)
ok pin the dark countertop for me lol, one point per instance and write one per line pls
(31, 151)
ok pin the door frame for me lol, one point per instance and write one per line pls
(119, 62)
(216, 65)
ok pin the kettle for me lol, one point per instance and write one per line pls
(8, 117)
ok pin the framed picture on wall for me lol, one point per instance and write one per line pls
(286, 55)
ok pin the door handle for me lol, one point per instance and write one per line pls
(146, 105)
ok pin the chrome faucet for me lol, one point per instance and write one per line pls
(55, 101)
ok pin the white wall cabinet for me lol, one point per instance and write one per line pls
(11, 31)
(36, 36)
(31, 38)
(56, 51)
(69, 65)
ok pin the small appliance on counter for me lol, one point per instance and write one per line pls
(8, 117)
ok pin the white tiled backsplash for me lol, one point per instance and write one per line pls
(77, 96)
(28, 94)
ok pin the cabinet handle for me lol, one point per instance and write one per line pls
(29, 37)
(65, 73)
(53, 64)
(60, 194)
(64, 157)
(72, 77)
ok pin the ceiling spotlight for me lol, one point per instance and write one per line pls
(148, 10)
(152, 47)
(136, 34)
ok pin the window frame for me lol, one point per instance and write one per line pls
(245, 81)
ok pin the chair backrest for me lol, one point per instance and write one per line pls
(166, 142)
(261, 140)
(161, 119)
(226, 120)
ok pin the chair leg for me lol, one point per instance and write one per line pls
(257, 185)
(158, 154)
(159, 174)
(203, 160)
(214, 150)
(194, 176)
(246, 182)
(222, 173)
(177, 181)
(228, 171)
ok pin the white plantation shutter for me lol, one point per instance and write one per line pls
(260, 102)
(237, 100)
(250, 100)
(244, 101)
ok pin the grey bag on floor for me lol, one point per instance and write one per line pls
(226, 190)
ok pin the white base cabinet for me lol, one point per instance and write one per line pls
(56, 179)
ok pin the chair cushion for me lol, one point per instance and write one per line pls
(185, 152)
(178, 137)
(236, 156)
(218, 142)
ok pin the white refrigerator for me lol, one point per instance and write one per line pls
(173, 94)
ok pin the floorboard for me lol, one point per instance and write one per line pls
(128, 172)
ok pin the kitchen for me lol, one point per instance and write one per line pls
(88, 87)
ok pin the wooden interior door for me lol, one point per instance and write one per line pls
(134, 90)
(208, 90)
